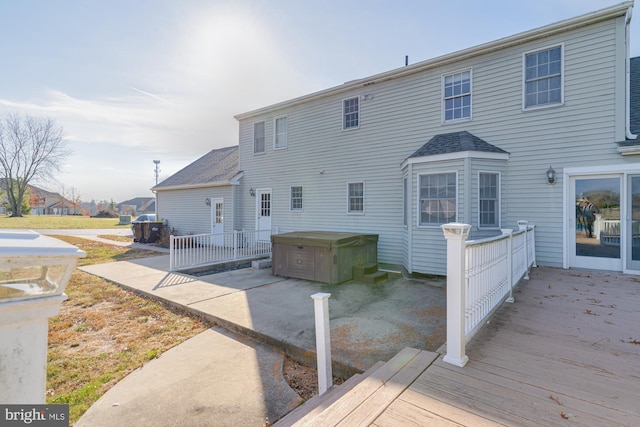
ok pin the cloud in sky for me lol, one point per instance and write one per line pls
(135, 81)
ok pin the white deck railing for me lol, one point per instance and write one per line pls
(607, 231)
(481, 275)
(200, 250)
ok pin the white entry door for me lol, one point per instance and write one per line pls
(263, 214)
(217, 221)
(595, 234)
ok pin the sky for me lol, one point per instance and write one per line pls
(133, 81)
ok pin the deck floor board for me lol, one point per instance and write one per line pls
(565, 353)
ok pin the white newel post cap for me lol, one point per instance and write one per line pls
(320, 296)
(456, 230)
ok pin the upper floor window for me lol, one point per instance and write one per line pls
(296, 198)
(457, 96)
(355, 198)
(438, 196)
(351, 113)
(258, 138)
(543, 77)
(280, 133)
(488, 194)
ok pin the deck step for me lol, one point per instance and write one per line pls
(367, 268)
(369, 273)
(365, 401)
(317, 403)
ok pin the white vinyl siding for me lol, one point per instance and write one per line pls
(488, 200)
(258, 138)
(543, 77)
(296, 198)
(405, 112)
(187, 212)
(280, 133)
(351, 113)
(456, 99)
(355, 198)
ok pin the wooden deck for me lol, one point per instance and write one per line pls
(566, 353)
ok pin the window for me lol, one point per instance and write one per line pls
(280, 133)
(543, 77)
(351, 113)
(437, 198)
(258, 138)
(296, 198)
(405, 189)
(457, 96)
(219, 213)
(488, 193)
(356, 197)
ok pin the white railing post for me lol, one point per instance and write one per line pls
(533, 245)
(171, 253)
(522, 225)
(509, 232)
(235, 244)
(456, 235)
(323, 341)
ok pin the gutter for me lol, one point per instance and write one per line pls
(192, 186)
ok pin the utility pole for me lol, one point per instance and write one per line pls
(157, 171)
(157, 162)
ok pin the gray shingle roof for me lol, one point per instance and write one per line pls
(216, 167)
(453, 143)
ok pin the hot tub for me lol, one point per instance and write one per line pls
(322, 256)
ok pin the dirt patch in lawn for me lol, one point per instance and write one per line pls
(303, 379)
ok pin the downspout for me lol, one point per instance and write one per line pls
(410, 219)
(627, 22)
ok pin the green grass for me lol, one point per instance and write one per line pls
(36, 222)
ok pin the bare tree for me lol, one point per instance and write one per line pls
(30, 148)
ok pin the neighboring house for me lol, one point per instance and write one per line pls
(45, 202)
(466, 137)
(137, 206)
(42, 202)
(200, 198)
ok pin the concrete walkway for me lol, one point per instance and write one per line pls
(369, 323)
(214, 378)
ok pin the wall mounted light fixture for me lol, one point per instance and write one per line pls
(551, 175)
(207, 201)
(252, 192)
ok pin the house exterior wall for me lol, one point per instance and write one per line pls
(401, 114)
(187, 213)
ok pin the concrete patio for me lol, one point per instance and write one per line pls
(369, 323)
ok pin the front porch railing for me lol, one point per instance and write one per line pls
(198, 250)
(481, 275)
